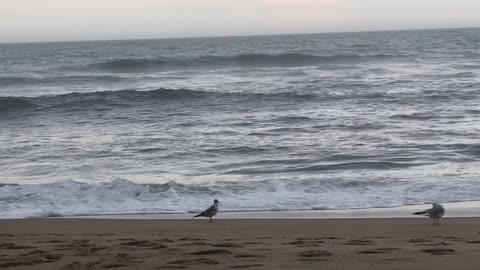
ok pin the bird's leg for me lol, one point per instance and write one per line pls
(211, 220)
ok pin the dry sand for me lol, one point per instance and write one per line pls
(240, 244)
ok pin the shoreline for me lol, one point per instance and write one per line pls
(453, 210)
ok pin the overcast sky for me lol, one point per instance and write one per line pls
(54, 20)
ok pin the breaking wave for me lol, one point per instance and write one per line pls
(249, 60)
(70, 198)
(124, 98)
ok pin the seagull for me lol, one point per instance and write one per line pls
(437, 211)
(210, 212)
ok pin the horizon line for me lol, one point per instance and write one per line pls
(240, 35)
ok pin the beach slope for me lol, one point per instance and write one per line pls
(240, 244)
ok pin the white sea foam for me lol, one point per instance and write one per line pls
(70, 198)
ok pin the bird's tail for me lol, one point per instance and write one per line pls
(420, 213)
(199, 215)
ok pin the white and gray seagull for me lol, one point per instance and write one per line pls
(437, 211)
(211, 211)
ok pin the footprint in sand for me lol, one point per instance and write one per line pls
(72, 266)
(195, 261)
(330, 238)
(165, 240)
(419, 241)
(82, 247)
(124, 257)
(21, 262)
(398, 259)
(359, 242)
(99, 234)
(31, 261)
(379, 237)
(137, 243)
(453, 238)
(81, 242)
(113, 265)
(34, 252)
(190, 239)
(194, 244)
(439, 251)
(51, 241)
(247, 266)
(474, 242)
(144, 244)
(262, 249)
(91, 264)
(437, 244)
(14, 246)
(314, 253)
(212, 252)
(309, 239)
(253, 243)
(249, 256)
(379, 251)
(52, 257)
(227, 245)
(305, 243)
(80, 266)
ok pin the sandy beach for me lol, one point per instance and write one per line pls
(412, 243)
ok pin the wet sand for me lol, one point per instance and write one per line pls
(240, 244)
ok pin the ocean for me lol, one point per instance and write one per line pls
(278, 123)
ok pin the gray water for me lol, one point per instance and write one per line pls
(323, 121)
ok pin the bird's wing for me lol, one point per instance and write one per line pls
(437, 211)
(210, 210)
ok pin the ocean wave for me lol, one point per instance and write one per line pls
(85, 101)
(7, 81)
(247, 60)
(14, 81)
(126, 98)
(245, 150)
(128, 65)
(467, 66)
(119, 196)
(15, 103)
(414, 116)
(359, 126)
(290, 119)
(367, 165)
(467, 149)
